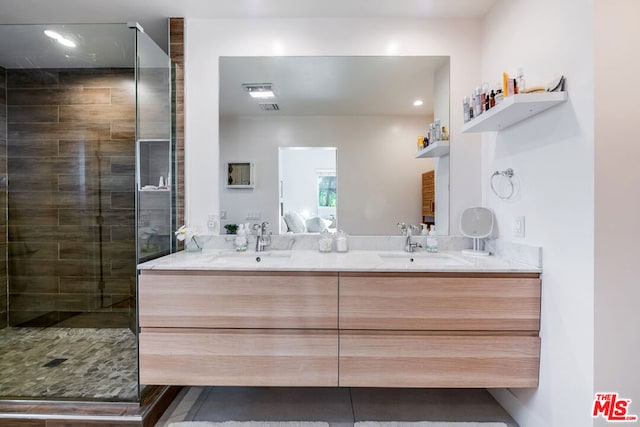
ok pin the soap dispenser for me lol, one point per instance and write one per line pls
(432, 240)
(241, 239)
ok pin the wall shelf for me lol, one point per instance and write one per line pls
(512, 110)
(437, 149)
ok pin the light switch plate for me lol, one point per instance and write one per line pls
(213, 221)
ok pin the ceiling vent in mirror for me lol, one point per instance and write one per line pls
(269, 107)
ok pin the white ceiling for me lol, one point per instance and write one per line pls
(153, 14)
(381, 85)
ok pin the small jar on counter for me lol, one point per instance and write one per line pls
(342, 244)
(325, 243)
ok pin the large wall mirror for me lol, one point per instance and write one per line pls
(360, 107)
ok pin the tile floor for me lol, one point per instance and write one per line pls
(68, 363)
(340, 407)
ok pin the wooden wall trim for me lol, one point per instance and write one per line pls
(176, 53)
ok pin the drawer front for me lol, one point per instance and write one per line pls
(439, 303)
(239, 301)
(239, 358)
(415, 360)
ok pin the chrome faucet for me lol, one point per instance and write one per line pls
(410, 246)
(262, 238)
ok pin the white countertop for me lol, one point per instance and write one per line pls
(355, 260)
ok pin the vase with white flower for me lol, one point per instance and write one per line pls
(190, 238)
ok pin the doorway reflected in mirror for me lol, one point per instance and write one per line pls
(308, 189)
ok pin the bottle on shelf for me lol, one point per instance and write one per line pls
(465, 108)
(520, 83)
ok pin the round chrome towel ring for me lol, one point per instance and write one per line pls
(505, 190)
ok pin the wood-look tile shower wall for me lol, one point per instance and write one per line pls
(70, 154)
(176, 52)
(3, 199)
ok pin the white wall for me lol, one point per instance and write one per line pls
(617, 201)
(379, 181)
(552, 155)
(441, 111)
(207, 40)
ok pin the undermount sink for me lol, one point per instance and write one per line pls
(420, 259)
(252, 258)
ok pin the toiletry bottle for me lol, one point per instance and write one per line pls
(425, 230)
(520, 81)
(341, 241)
(432, 240)
(485, 96)
(240, 242)
(477, 103)
(492, 99)
(505, 85)
(325, 243)
(465, 108)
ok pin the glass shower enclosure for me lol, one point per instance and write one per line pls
(86, 193)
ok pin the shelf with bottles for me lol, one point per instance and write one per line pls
(435, 149)
(513, 109)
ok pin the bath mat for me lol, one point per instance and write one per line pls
(427, 424)
(323, 424)
(250, 424)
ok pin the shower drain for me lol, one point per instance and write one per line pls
(53, 363)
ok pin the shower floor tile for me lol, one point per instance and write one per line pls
(70, 363)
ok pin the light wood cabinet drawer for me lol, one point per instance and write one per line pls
(239, 300)
(239, 357)
(399, 359)
(414, 302)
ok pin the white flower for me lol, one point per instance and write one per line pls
(184, 233)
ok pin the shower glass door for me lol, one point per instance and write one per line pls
(84, 127)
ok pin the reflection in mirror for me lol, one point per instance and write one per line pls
(240, 175)
(308, 189)
(361, 106)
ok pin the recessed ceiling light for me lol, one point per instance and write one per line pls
(417, 102)
(66, 42)
(52, 34)
(59, 38)
(262, 94)
(260, 90)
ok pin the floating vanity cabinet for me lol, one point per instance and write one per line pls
(238, 328)
(260, 328)
(439, 330)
